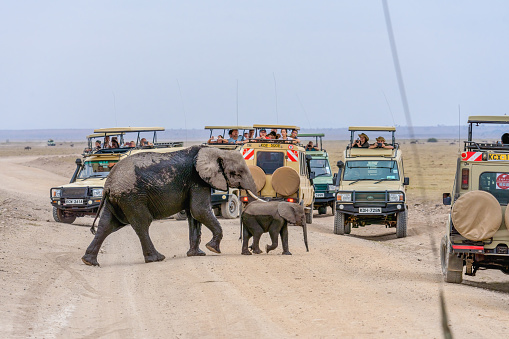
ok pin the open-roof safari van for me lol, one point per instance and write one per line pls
(476, 234)
(371, 184)
(319, 166)
(82, 196)
(280, 169)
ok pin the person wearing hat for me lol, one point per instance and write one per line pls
(362, 141)
(263, 134)
(380, 143)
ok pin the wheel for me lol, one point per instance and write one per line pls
(322, 210)
(348, 228)
(401, 224)
(339, 223)
(309, 216)
(333, 207)
(230, 208)
(60, 216)
(452, 266)
(181, 215)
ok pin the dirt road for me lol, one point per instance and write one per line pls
(368, 284)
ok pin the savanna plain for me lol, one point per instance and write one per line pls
(368, 284)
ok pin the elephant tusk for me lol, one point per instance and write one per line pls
(254, 196)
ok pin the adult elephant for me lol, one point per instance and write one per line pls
(149, 186)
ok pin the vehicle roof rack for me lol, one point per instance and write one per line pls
(372, 128)
(128, 129)
(488, 119)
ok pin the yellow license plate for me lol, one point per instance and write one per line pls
(270, 145)
(498, 157)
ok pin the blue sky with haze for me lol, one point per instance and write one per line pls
(91, 64)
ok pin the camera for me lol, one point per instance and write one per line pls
(379, 144)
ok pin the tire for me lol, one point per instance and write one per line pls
(181, 215)
(339, 223)
(59, 216)
(309, 216)
(449, 261)
(348, 228)
(401, 222)
(230, 208)
(322, 209)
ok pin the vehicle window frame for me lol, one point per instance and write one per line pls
(394, 162)
(282, 154)
(481, 189)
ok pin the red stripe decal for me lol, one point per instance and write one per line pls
(467, 247)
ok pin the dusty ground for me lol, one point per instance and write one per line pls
(368, 284)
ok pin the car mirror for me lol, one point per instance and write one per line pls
(406, 181)
(78, 161)
(312, 175)
(446, 198)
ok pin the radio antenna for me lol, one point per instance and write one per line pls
(275, 91)
(183, 109)
(390, 110)
(459, 128)
(115, 108)
(237, 102)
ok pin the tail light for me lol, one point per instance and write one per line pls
(290, 200)
(244, 199)
(464, 178)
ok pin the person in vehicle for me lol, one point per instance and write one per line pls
(294, 136)
(114, 143)
(380, 143)
(284, 135)
(97, 145)
(251, 134)
(234, 137)
(505, 139)
(219, 140)
(263, 134)
(362, 142)
(144, 142)
(311, 147)
(272, 135)
(106, 143)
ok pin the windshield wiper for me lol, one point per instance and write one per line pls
(376, 182)
(353, 182)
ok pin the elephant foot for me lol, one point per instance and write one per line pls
(287, 253)
(213, 246)
(257, 251)
(268, 248)
(246, 252)
(154, 257)
(195, 253)
(90, 260)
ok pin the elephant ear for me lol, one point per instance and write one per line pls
(287, 211)
(208, 166)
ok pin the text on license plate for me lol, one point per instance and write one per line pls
(319, 195)
(73, 201)
(370, 210)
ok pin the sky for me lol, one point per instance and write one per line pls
(187, 64)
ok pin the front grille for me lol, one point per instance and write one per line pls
(74, 192)
(370, 197)
(321, 187)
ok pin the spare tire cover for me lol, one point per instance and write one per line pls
(285, 181)
(477, 215)
(259, 177)
(506, 217)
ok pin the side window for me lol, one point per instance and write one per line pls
(497, 184)
(270, 161)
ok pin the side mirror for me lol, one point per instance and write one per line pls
(334, 177)
(78, 161)
(446, 198)
(406, 181)
(312, 175)
(340, 164)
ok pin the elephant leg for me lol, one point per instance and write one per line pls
(194, 236)
(246, 235)
(273, 236)
(207, 218)
(107, 225)
(284, 239)
(140, 221)
(257, 234)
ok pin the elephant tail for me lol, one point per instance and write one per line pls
(105, 196)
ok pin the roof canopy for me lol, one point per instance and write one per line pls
(276, 126)
(489, 119)
(128, 129)
(228, 127)
(372, 128)
(99, 135)
(311, 135)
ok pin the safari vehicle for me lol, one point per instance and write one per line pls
(324, 181)
(371, 186)
(51, 142)
(477, 236)
(280, 170)
(82, 196)
(224, 203)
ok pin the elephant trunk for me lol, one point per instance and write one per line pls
(254, 196)
(305, 230)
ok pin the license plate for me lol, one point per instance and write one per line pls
(74, 201)
(370, 210)
(319, 195)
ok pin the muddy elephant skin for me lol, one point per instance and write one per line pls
(273, 217)
(149, 186)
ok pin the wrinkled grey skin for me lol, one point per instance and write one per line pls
(273, 217)
(149, 186)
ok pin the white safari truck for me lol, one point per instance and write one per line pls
(82, 195)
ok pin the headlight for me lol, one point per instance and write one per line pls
(344, 197)
(395, 197)
(97, 192)
(332, 188)
(56, 193)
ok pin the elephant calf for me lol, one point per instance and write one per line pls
(273, 217)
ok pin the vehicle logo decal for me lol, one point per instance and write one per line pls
(248, 153)
(471, 156)
(293, 156)
(290, 147)
(502, 181)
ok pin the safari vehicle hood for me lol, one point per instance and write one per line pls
(369, 185)
(92, 182)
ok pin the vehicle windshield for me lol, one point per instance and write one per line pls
(497, 184)
(320, 167)
(96, 169)
(371, 170)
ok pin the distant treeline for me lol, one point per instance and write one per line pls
(419, 132)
